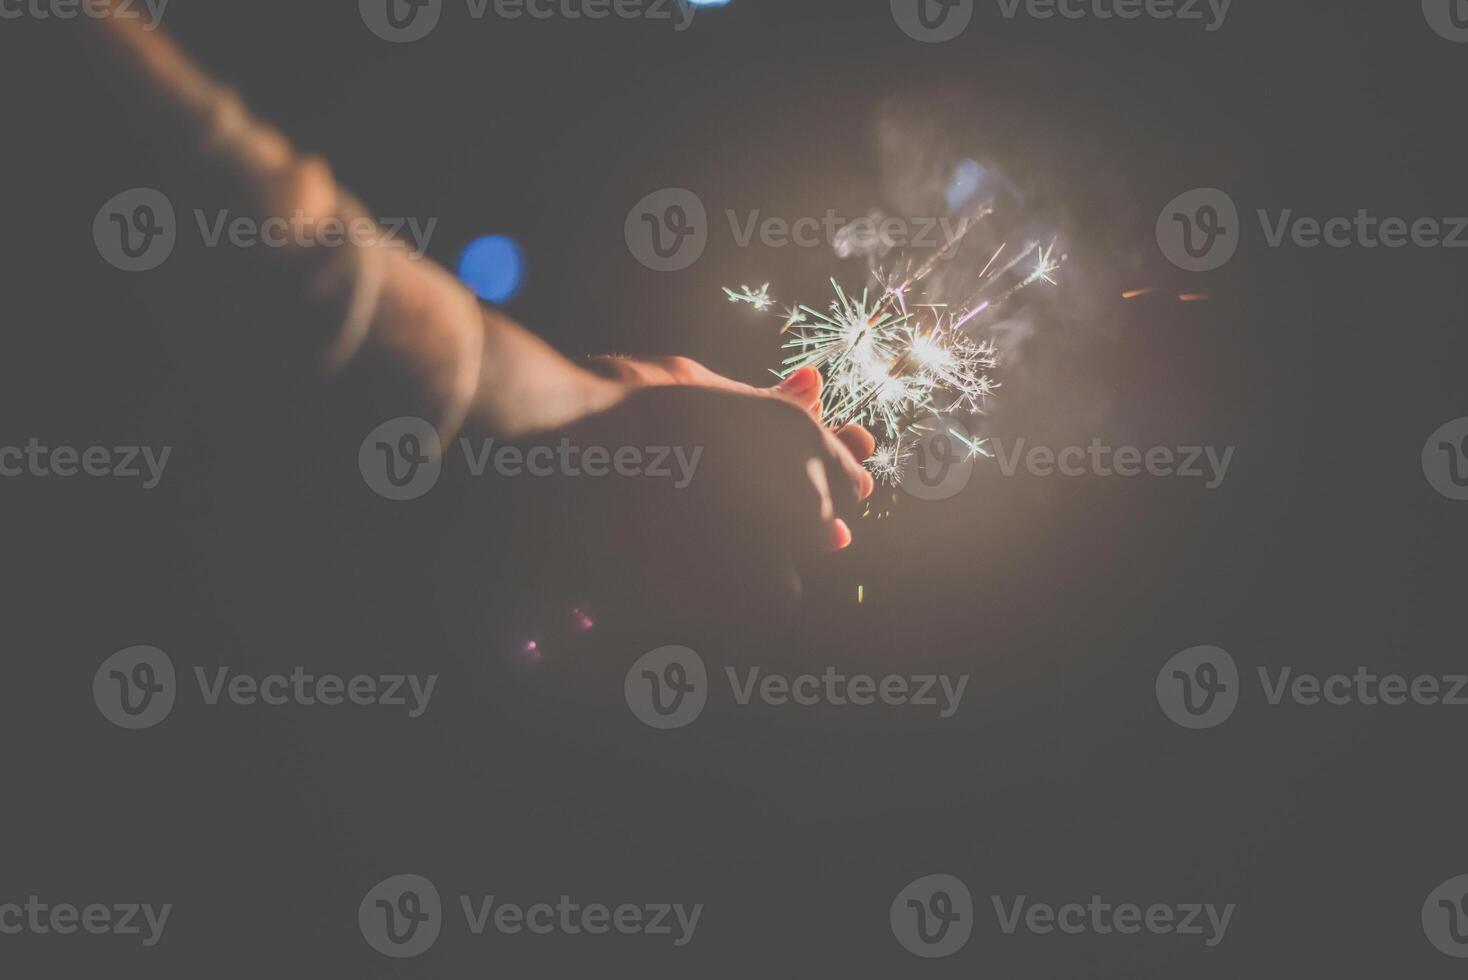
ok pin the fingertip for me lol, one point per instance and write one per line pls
(857, 439)
(803, 387)
(859, 482)
(816, 470)
(800, 381)
(838, 535)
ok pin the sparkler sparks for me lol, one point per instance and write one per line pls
(757, 298)
(975, 447)
(1044, 267)
(892, 359)
(888, 461)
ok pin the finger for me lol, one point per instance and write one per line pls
(816, 470)
(807, 510)
(827, 477)
(838, 535)
(687, 371)
(857, 439)
(803, 388)
(854, 481)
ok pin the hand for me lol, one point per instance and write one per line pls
(802, 388)
(766, 496)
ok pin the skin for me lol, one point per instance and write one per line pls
(397, 335)
(847, 446)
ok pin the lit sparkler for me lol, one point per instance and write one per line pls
(757, 298)
(888, 461)
(892, 359)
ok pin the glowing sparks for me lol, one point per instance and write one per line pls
(757, 298)
(892, 359)
(794, 316)
(1045, 267)
(1182, 297)
(888, 461)
(885, 366)
(975, 447)
(992, 259)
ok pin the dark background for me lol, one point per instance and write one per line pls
(1059, 777)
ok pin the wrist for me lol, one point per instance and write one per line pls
(526, 386)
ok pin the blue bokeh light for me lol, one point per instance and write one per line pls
(493, 267)
(968, 176)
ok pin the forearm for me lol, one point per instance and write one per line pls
(397, 327)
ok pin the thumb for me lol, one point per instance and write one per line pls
(803, 388)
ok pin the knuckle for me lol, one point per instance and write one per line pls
(679, 366)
